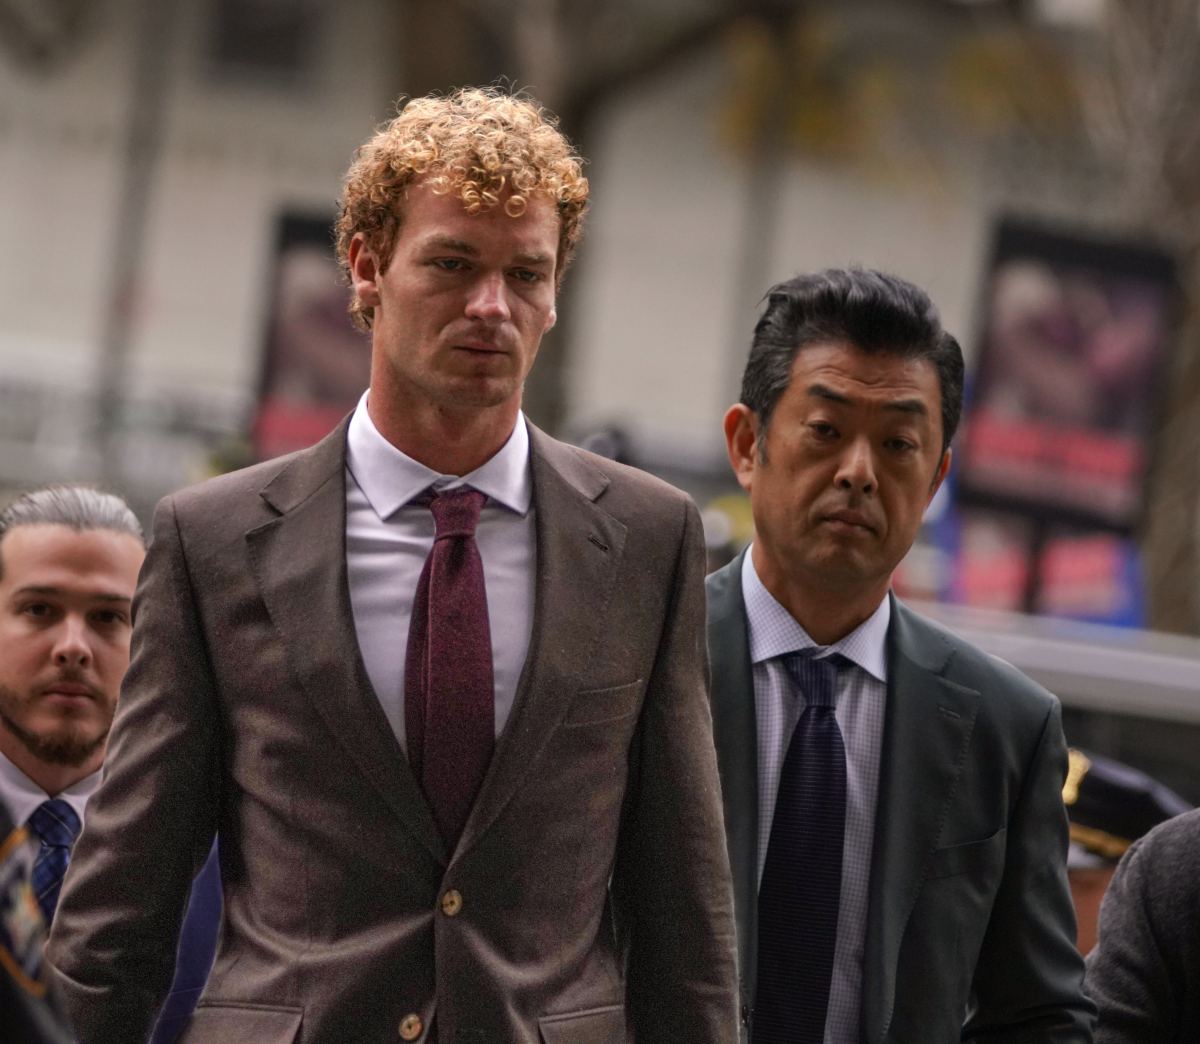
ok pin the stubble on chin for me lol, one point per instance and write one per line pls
(70, 743)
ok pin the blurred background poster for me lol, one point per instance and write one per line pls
(1050, 472)
(1071, 355)
(316, 364)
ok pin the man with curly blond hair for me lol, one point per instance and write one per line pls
(438, 682)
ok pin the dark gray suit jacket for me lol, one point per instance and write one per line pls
(1145, 970)
(594, 880)
(970, 929)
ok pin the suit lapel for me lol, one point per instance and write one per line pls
(927, 731)
(579, 546)
(299, 560)
(735, 731)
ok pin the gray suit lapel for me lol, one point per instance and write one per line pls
(927, 732)
(299, 560)
(736, 733)
(579, 546)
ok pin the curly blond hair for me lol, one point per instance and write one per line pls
(476, 143)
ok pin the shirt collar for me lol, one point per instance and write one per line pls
(775, 632)
(22, 795)
(390, 478)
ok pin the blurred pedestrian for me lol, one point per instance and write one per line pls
(1144, 973)
(442, 675)
(892, 794)
(69, 560)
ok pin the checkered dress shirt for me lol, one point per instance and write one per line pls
(861, 697)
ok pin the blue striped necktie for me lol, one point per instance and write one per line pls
(56, 826)
(801, 887)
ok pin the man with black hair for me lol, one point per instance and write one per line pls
(892, 794)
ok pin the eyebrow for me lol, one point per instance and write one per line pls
(911, 406)
(533, 259)
(461, 246)
(99, 596)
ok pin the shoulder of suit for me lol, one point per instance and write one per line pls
(970, 665)
(638, 482)
(309, 466)
(248, 480)
(223, 508)
(725, 582)
(1162, 869)
(1174, 843)
(622, 479)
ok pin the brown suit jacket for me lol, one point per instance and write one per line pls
(596, 900)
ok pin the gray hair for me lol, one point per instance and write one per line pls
(77, 507)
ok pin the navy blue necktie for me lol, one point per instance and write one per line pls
(801, 886)
(56, 826)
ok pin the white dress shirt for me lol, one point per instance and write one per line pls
(388, 540)
(861, 699)
(22, 795)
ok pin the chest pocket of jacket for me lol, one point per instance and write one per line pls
(218, 1023)
(595, 706)
(972, 857)
(596, 1026)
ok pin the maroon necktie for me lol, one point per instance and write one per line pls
(449, 715)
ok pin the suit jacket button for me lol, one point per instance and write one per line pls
(410, 1027)
(451, 902)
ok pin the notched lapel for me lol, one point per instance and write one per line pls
(579, 548)
(735, 731)
(927, 733)
(299, 561)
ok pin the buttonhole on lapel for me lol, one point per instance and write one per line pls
(597, 541)
(946, 712)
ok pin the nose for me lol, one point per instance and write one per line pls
(72, 649)
(856, 468)
(489, 299)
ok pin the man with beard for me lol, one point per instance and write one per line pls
(69, 561)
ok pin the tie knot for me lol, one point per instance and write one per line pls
(456, 512)
(816, 675)
(55, 823)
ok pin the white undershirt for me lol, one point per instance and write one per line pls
(388, 540)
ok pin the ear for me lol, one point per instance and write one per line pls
(364, 271)
(551, 319)
(741, 443)
(939, 475)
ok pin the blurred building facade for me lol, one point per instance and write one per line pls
(685, 233)
(233, 140)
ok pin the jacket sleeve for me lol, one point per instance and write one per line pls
(671, 882)
(1028, 983)
(1131, 974)
(152, 821)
